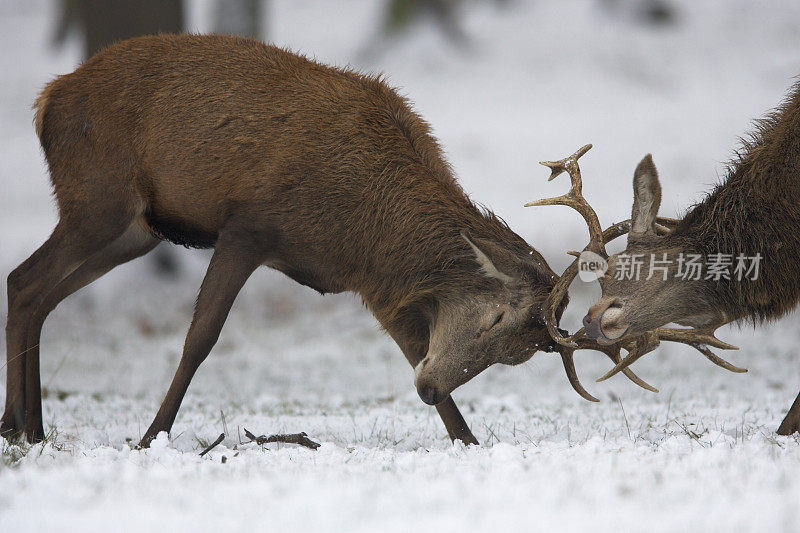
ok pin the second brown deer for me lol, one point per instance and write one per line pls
(754, 214)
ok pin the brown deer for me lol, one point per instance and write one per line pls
(753, 213)
(270, 159)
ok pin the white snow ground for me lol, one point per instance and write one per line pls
(541, 79)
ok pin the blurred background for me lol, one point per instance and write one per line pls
(504, 83)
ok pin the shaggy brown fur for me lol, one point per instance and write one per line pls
(322, 173)
(755, 210)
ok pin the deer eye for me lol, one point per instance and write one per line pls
(489, 325)
(497, 319)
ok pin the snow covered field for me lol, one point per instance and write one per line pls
(539, 80)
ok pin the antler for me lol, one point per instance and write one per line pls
(574, 199)
(612, 351)
(696, 338)
(636, 346)
(597, 239)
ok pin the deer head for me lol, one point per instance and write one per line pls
(498, 321)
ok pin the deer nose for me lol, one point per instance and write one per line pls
(592, 326)
(429, 395)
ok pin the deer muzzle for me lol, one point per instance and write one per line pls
(428, 390)
(605, 321)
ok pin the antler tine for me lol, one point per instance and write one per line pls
(664, 226)
(662, 230)
(717, 360)
(613, 353)
(695, 336)
(574, 198)
(597, 240)
(557, 167)
(700, 340)
(644, 344)
(628, 373)
(668, 222)
(616, 230)
(697, 340)
(636, 347)
(567, 357)
(555, 297)
(611, 233)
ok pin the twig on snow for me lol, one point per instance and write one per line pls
(213, 444)
(289, 438)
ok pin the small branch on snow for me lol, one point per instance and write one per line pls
(289, 438)
(213, 444)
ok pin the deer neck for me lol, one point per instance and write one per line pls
(756, 210)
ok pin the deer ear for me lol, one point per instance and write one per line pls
(484, 251)
(646, 199)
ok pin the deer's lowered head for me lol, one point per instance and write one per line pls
(498, 320)
(647, 285)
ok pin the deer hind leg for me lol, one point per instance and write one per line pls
(13, 421)
(235, 257)
(71, 244)
(791, 423)
(134, 242)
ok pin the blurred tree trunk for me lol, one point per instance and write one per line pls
(240, 17)
(401, 14)
(102, 22)
(107, 22)
(649, 12)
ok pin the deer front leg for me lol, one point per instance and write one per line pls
(456, 426)
(233, 261)
(791, 423)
